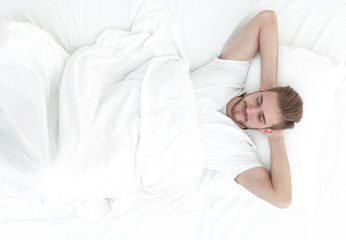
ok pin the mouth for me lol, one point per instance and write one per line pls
(243, 111)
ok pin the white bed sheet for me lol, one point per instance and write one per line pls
(314, 25)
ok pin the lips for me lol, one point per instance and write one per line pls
(243, 111)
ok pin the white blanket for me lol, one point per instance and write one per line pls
(127, 117)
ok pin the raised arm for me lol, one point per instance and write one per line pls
(261, 33)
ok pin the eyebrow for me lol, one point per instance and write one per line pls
(264, 119)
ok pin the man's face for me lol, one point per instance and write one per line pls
(258, 110)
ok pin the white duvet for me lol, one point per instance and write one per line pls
(127, 117)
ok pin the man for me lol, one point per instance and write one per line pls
(267, 110)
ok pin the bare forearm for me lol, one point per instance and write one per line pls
(268, 47)
(280, 170)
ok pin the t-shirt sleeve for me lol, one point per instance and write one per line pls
(220, 80)
(245, 160)
(242, 159)
(221, 72)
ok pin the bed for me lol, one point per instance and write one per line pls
(81, 87)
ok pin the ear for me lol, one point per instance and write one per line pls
(262, 89)
(266, 131)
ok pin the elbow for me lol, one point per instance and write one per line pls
(283, 201)
(268, 15)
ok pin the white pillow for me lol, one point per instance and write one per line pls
(31, 65)
(316, 26)
(316, 79)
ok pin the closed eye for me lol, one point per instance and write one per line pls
(261, 119)
(261, 98)
(264, 119)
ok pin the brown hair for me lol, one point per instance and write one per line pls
(291, 107)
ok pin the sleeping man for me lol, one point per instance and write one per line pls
(225, 112)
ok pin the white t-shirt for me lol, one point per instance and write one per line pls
(228, 148)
